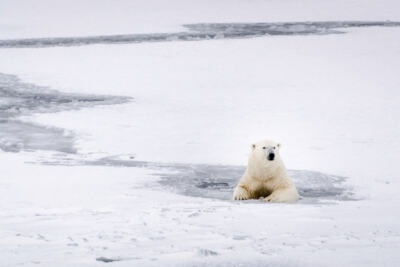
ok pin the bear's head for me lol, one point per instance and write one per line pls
(264, 156)
(266, 149)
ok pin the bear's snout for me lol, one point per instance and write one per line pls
(271, 156)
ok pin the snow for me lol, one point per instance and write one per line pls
(126, 154)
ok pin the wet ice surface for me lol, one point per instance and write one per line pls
(218, 181)
(16, 136)
(18, 98)
(214, 181)
(205, 31)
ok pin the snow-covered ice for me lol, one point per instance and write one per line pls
(127, 154)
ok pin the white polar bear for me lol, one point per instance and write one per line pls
(266, 176)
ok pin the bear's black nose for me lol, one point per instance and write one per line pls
(271, 156)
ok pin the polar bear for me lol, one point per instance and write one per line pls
(266, 176)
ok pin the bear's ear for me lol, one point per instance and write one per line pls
(279, 145)
(253, 146)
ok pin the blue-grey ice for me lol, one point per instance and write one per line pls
(205, 31)
(18, 98)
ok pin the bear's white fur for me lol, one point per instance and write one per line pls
(266, 178)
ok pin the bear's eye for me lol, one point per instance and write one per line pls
(264, 147)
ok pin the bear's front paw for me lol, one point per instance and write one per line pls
(269, 199)
(240, 194)
(274, 198)
(240, 197)
(282, 196)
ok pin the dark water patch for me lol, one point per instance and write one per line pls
(219, 181)
(204, 31)
(18, 98)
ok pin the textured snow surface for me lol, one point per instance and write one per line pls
(127, 154)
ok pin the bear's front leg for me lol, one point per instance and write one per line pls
(283, 195)
(241, 192)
